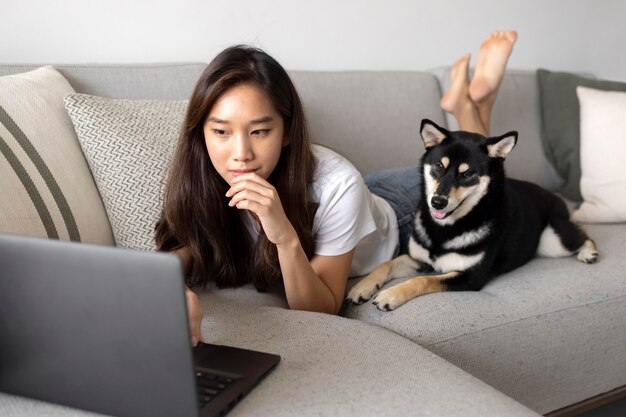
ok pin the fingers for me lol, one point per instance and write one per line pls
(194, 312)
(196, 334)
(250, 176)
(250, 181)
(251, 192)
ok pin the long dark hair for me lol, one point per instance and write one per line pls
(195, 212)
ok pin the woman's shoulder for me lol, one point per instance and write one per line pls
(331, 164)
(333, 174)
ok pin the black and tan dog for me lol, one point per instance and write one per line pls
(472, 223)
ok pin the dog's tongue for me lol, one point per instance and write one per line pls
(438, 214)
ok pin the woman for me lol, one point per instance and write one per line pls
(249, 199)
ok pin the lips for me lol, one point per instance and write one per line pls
(236, 172)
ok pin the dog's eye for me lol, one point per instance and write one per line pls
(438, 169)
(469, 173)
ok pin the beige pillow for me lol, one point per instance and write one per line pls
(46, 187)
(602, 156)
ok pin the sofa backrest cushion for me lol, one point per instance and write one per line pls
(518, 108)
(372, 118)
(127, 81)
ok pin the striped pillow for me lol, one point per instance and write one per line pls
(46, 188)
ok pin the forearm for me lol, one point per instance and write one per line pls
(305, 290)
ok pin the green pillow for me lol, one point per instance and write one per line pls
(560, 114)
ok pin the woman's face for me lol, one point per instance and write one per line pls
(244, 133)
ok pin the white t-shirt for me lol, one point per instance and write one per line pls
(348, 215)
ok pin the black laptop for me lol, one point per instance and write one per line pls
(105, 329)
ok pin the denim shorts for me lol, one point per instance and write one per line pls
(401, 188)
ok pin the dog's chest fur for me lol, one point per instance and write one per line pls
(452, 249)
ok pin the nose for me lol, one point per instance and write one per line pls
(243, 148)
(438, 202)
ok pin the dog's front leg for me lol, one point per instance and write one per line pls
(394, 297)
(397, 267)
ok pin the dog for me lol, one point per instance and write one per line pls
(472, 223)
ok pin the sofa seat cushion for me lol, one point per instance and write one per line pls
(330, 366)
(335, 366)
(549, 334)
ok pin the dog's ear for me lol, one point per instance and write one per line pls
(432, 134)
(500, 146)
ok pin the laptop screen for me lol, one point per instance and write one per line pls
(95, 327)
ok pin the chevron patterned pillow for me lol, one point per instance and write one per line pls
(46, 189)
(128, 145)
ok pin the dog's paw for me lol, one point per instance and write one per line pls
(362, 292)
(588, 257)
(588, 254)
(390, 299)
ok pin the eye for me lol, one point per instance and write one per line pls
(219, 132)
(260, 132)
(469, 173)
(438, 169)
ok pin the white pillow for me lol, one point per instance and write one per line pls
(128, 145)
(602, 156)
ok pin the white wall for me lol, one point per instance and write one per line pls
(574, 35)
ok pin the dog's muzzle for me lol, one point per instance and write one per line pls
(438, 203)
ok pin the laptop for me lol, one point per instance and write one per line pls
(105, 329)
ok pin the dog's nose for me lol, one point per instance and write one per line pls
(439, 202)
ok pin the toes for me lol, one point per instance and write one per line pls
(353, 299)
(588, 257)
(591, 258)
(358, 301)
(383, 307)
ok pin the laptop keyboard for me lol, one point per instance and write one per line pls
(210, 385)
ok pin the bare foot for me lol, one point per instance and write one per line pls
(458, 93)
(457, 100)
(491, 64)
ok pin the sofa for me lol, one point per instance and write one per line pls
(546, 338)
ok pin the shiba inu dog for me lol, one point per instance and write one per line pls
(472, 222)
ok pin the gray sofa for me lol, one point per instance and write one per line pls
(547, 336)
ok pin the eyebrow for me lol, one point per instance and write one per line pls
(264, 119)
